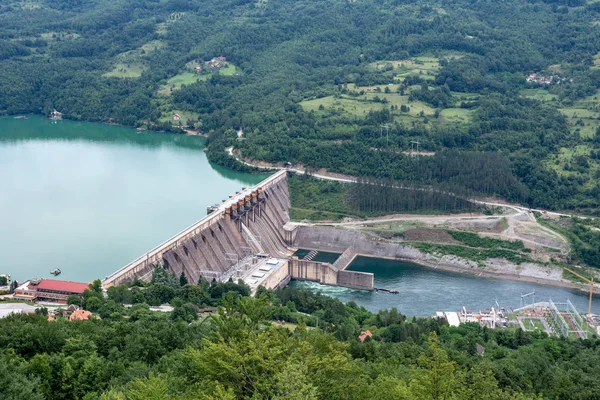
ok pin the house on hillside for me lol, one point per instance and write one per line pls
(176, 117)
(80, 315)
(364, 335)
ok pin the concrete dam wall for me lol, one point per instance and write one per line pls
(235, 241)
(247, 225)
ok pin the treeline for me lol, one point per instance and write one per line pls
(251, 349)
(389, 196)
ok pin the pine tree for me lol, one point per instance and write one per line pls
(182, 279)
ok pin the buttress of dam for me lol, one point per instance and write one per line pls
(250, 226)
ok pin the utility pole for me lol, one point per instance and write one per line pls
(412, 148)
(387, 132)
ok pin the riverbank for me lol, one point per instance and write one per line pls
(502, 269)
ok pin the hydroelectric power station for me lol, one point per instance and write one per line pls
(249, 237)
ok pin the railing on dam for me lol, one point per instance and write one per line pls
(155, 255)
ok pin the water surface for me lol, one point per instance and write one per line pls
(424, 291)
(89, 198)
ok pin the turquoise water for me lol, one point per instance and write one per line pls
(89, 198)
(322, 256)
(424, 291)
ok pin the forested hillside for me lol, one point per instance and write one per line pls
(287, 344)
(351, 86)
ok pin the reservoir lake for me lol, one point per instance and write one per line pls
(89, 198)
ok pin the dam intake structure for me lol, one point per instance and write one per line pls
(248, 236)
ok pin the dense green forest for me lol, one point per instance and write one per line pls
(347, 86)
(284, 344)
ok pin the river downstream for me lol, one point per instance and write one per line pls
(88, 198)
(424, 291)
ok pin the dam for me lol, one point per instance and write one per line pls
(247, 236)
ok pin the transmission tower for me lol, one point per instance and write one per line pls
(387, 132)
(523, 296)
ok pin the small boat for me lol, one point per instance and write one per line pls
(55, 271)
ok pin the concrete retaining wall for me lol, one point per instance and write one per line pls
(339, 240)
(326, 274)
(345, 259)
(356, 280)
(277, 277)
(313, 271)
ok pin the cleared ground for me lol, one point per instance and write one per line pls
(132, 63)
(190, 76)
(360, 100)
(122, 70)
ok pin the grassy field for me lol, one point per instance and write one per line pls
(123, 70)
(190, 76)
(161, 28)
(456, 115)
(424, 66)
(533, 324)
(153, 45)
(131, 64)
(583, 115)
(362, 104)
(185, 78)
(359, 100)
(538, 94)
(597, 56)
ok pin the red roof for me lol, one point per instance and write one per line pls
(364, 334)
(62, 286)
(80, 315)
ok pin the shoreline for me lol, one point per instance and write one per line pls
(483, 273)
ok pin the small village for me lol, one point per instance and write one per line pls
(213, 64)
(547, 79)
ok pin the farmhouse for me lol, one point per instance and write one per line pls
(364, 335)
(176, 117)
(217, 62)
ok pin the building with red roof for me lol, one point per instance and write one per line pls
(80, 315)
(364, 335)
(50, 290)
